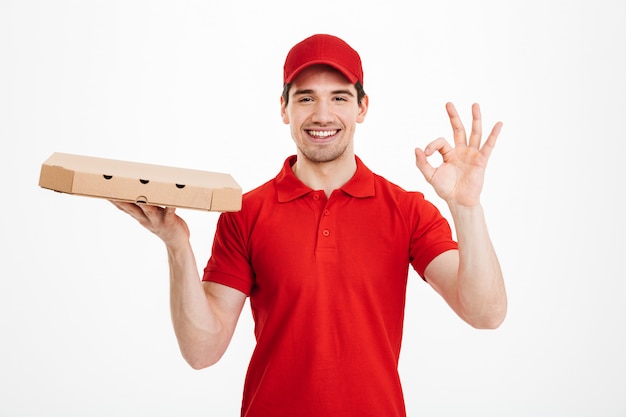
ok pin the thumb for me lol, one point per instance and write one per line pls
(421, 161)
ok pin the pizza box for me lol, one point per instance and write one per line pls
(140, 183)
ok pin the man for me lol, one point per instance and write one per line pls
(323, 251)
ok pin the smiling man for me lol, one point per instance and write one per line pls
(322, 109)
(323, 251)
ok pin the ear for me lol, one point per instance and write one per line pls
(283, 111)
(360, 117)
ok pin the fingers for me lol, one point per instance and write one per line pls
(476, 132)
(162, 221)
(422, 163)
(130, 208)
(477, 127)
(149, 216)
(169, 213)
(457, 125)
(421, 156)
(438, 145)
(490, 143)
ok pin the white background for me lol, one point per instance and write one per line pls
(84, 313)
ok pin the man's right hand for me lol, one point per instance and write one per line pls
(162, 221)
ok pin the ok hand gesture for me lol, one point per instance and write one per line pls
(460, 177)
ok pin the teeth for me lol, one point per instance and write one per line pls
(322, 133)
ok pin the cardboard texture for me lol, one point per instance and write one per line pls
(140, 183)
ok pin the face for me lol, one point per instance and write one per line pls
(323, 112)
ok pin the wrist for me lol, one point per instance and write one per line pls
(458, 209)
(177, 245)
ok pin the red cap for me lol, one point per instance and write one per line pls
(323, 49)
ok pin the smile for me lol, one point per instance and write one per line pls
(322, 133)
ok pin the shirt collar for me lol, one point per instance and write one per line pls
(289, 187)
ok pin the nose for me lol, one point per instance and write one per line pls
(322, 113)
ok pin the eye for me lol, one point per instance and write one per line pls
(305, 99)
(340, 98)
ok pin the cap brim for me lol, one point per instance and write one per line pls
(349, 76)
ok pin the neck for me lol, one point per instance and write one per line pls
(327, 176)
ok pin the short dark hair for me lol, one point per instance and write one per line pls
(360, 92)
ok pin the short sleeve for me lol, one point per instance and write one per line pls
(229, 263)
(431, 234)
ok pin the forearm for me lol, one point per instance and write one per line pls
(200, 334)
(203, 320)
(480, 285)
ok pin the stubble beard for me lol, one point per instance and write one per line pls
(321, 156)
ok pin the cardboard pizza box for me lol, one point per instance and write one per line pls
(140, 183)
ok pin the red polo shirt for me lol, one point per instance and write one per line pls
(327, 281)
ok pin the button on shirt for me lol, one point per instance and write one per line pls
(326, 279)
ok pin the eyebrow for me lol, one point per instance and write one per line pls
(303, 92)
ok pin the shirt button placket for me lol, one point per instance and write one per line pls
(326, 229)
(325, 232)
